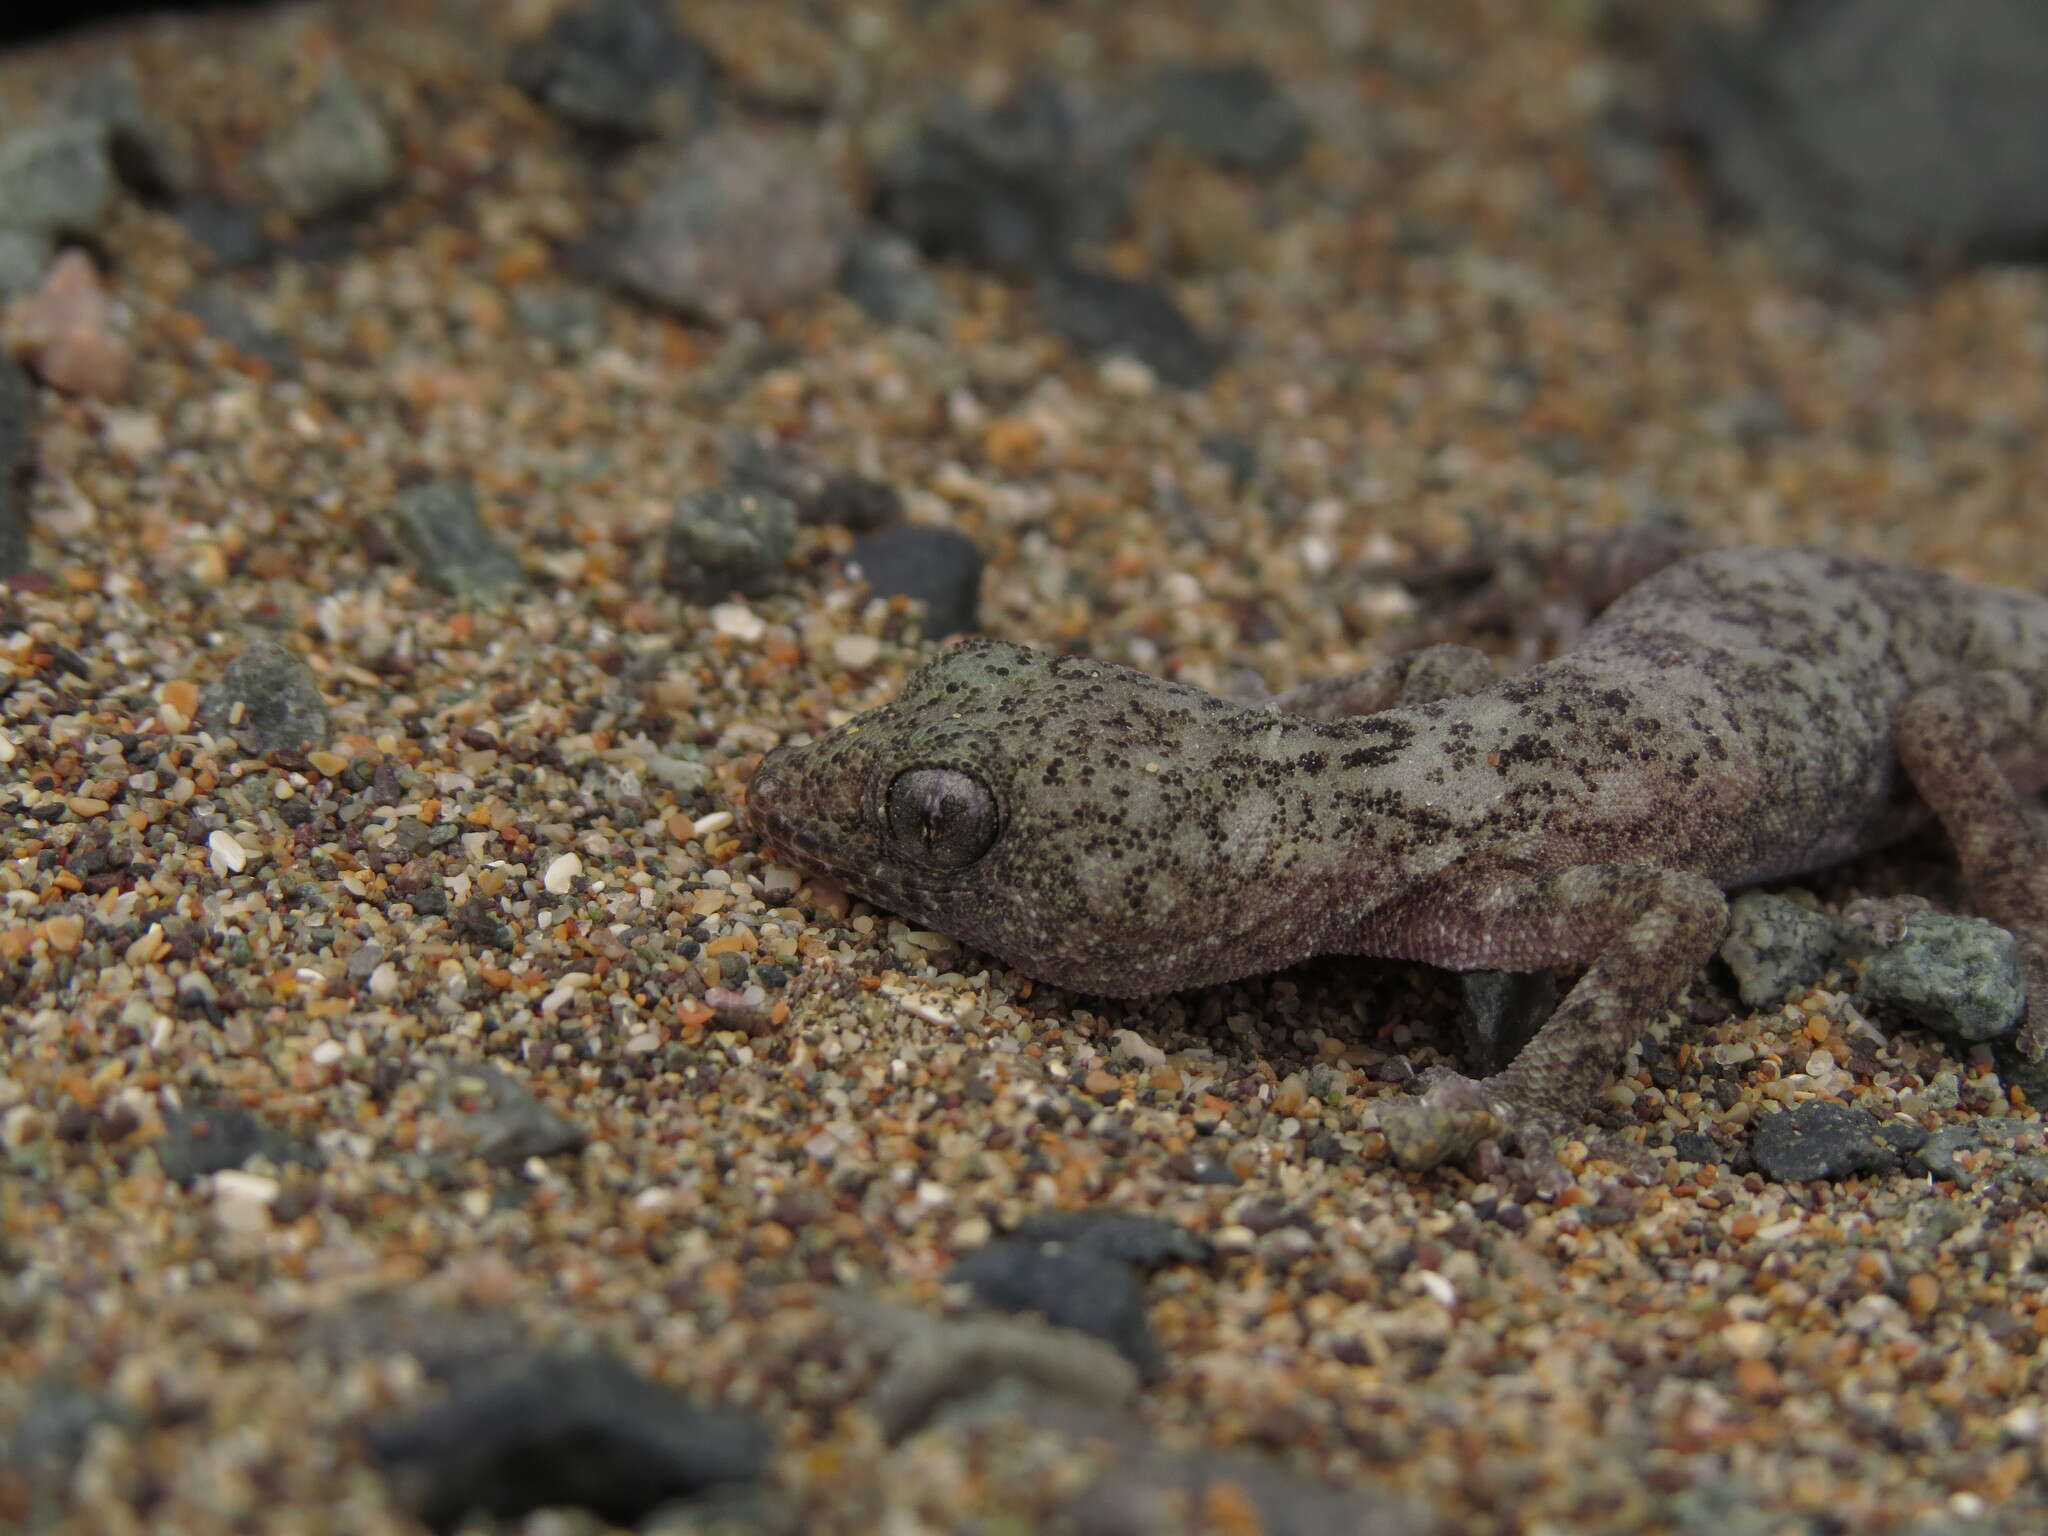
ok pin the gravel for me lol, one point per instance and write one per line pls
(517, 847)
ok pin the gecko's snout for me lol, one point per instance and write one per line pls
(766, 791)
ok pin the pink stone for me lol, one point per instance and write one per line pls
(65, 332)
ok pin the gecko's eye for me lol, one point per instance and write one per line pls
(944, 817)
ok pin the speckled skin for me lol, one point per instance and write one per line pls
(1737, 717)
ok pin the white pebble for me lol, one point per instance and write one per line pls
(561, 874)
(384, 982)
(856, 650)
(242, 1201)
(229, 856)
(1132, 1046)
(717, 821)
(738, 621)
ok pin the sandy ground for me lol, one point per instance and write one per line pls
(736, 1099)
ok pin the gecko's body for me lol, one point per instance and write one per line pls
(1737, 717)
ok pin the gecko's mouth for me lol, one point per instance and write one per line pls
(778, 814)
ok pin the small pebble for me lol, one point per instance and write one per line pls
(742, 223)
(336, 155)
(724, 542)
(1070, 1288)
(1958, 976)
(1232, 114)
(1818, 1140)
(1776, 947)
(562, 873)
(1013, 187)
(65, 331)
(619, 67)
(267, 694)
(1927, 154)
(551, 1431)
(56, 177)
(1100, 312)
(443, 529)
(883, 273)
(17, 464)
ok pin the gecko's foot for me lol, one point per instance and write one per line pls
(1456, 1116)
(1446, 1122)
(2032, 1040)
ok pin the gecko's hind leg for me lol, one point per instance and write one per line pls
(1642, 933)
(1950, 739)
(1414, 677)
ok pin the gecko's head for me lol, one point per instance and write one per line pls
(1049, 809)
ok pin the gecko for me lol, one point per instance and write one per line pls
(1737, 717)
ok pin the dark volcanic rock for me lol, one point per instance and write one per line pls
(1819, 1140)
(554, 1430)
(1070, 1288)
(1232, 114)
(619, 67)
(937, 566)
(1100, 312)
(1012, 188)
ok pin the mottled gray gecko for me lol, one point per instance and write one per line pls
(1737, 717)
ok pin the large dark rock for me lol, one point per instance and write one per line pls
(565, 1430)
(1892, 130)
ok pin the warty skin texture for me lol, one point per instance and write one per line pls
(1737, 717)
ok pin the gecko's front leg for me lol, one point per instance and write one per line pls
(1641, 932)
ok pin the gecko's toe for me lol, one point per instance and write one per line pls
(1456, 1116)
(1451, 1117)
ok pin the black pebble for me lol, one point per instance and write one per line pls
(1819, 1140)
(1071, 1288)
(1102, 313)
(937, 566)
